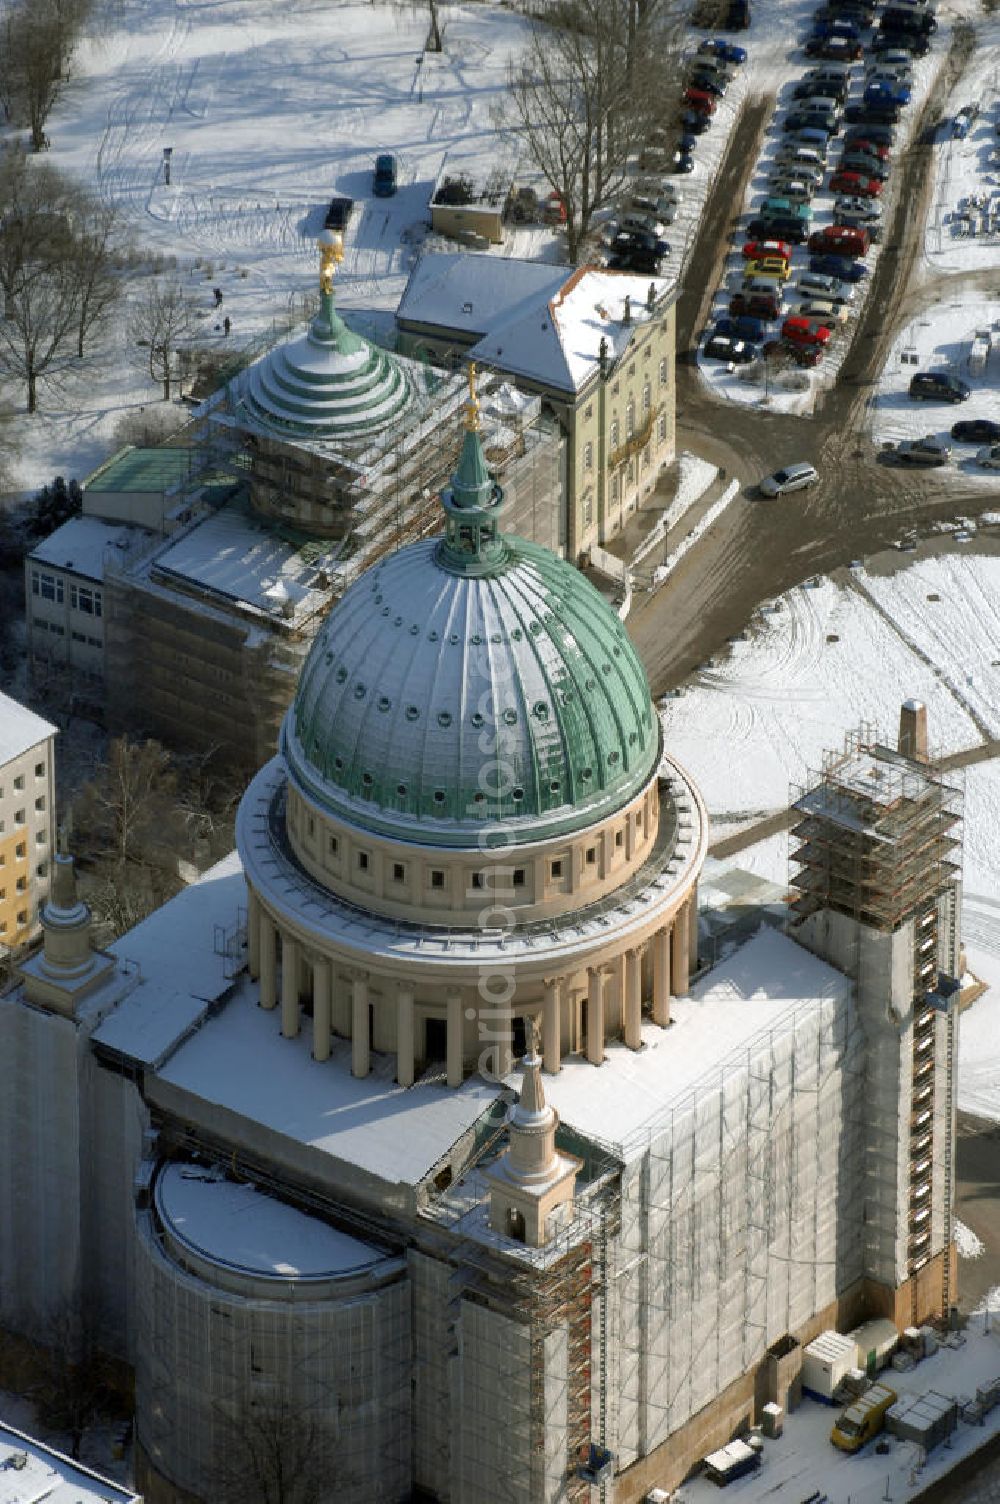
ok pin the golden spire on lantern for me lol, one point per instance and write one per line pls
(472, 407)
(331, 254)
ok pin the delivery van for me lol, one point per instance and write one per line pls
(863, 1419)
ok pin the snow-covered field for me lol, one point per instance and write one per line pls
(268, 109)
(970, 169)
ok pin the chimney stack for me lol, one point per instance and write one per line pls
(913, 730)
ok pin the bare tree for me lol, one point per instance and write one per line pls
(37, 284)
(39, 37)
(127, 810)
(273, 1453)
(97, 247)
(163, 321)
(434, 40)
(582, 98)
(75, 1382)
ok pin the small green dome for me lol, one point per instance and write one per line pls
(439, 699)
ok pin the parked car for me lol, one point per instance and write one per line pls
(928, 451)
(898, 58)
(802, 161)
(838, 73)
(853, 184)
(796, 190)
(976, 431)
(989, 458)
(769, 266)
(775, 206)
(866, 166)
(915, 43)
(821, 88)
(743, 327)
(804, 331)
(830, 314)
(812, 139)
(663, 211)
(708, 83)
(694, 122)
(881, 137)
(859, 213)
(635, 223)
(339, 213)
(756, 305)
(790, 478)
(963, 121)
(698, 99)
(384, 179)
(842, 268)
(813, 120)
(783, 228)
(939, 386)
(889, 91)
(840, 240)
(886, 113)
(728, 51)
(816, 285)
(834, 49)
(907, 19)
(722, 347)
(881, 72)
(756, 250)
(838, 27)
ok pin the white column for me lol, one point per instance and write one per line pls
(322, 1008)
(404, 1036)
(693, 930)
(253, 934)
(289, 987)
(595, 1015)
(633, 998)
(661, 978)
(679, 932)
(550, 1027)
(268, 964)
(456, 1052)
(360, 1053)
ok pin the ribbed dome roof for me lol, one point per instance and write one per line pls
(327, 384)
(436, 700)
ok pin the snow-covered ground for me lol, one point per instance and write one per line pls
(969, 169)
(802, 1463)
(940, 339)
(809, 672)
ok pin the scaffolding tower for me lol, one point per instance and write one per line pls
(879, 840)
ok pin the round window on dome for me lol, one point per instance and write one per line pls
(509, 716)
(384, 703)
(385, 611)
(367, 780)
(401, 790)
(496, 637)
(444, 718)
(517, 794)
(338, 763)
(415, 630)
(412, 713)
(397, 621)
(439, 796)
(453, 638)
(612, 757)
(432, 636)
(359, 691)
(478, 720)
(586, 774)
(591, 684)
(475, 640)
(341, 675)
(555, 786)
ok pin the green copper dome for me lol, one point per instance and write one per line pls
(437, 701)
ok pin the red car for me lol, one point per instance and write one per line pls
(758, 305)
(839, 240)
(697, 99)
(756, 250)
(804, 332)
(870, 148)
(855, 184)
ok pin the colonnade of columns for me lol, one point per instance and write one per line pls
(613, 991)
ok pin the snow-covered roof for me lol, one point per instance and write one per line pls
(541, 323)
(256, 564)
(177, 970)
(31, 1472)
(84, 544)
(240, 1061)
(758, 991)
(20, 729)
(245, 1229)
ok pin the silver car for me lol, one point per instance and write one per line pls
(791, 478)
(989, 457)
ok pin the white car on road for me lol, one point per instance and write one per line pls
(791, 478)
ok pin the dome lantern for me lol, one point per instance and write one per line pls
(472, 543)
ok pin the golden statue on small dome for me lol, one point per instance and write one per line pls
(331, 254)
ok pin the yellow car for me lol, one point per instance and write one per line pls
(864, 1419)
(771, 266)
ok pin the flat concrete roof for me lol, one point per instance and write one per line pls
(31, 1472)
